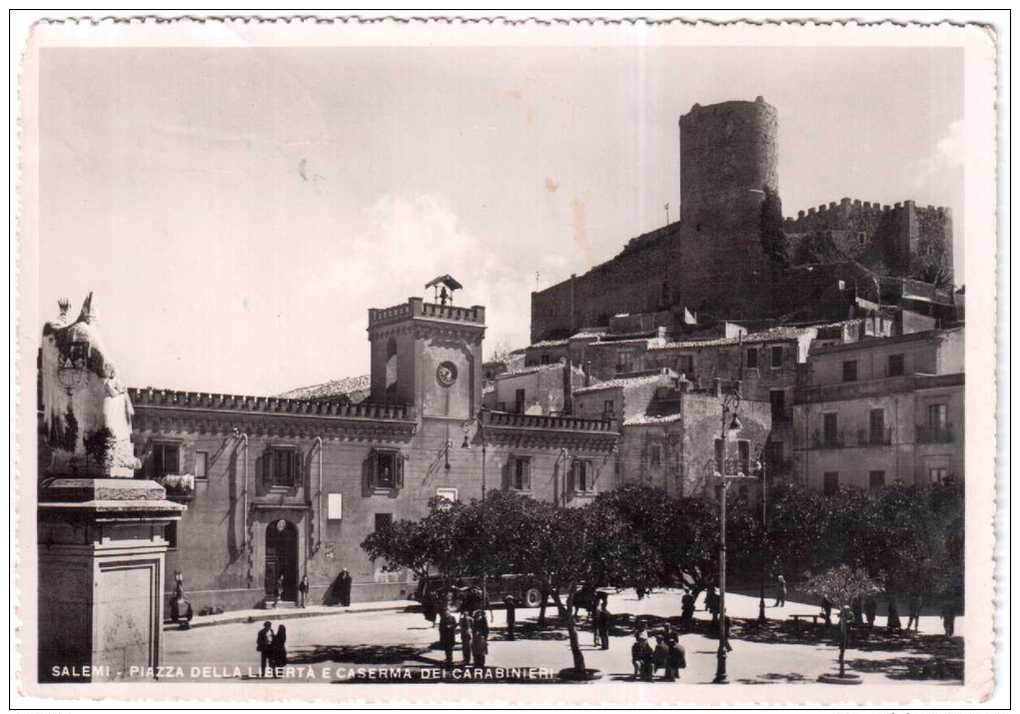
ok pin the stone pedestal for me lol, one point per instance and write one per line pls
(101, 558)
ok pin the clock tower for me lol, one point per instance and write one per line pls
(428, 355)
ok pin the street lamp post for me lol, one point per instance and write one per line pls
(730, 428)
(760, 467)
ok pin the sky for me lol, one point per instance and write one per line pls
(237, 211)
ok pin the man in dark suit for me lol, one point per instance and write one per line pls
(344, 587)
(448, 635)
(264, 645)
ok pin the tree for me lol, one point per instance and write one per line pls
(840, 586)
(590, 546)
(431, 544)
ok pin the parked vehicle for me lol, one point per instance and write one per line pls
(526, 589)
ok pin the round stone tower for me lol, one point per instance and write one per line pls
(727, 159)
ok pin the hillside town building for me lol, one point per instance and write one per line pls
(882, 411)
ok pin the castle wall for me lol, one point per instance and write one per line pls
(871, 232)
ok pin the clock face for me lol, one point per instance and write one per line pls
(446, 374)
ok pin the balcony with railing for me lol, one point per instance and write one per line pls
(934, 434)
(875, 437)
(830, 440)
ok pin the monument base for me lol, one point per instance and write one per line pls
(101, 558)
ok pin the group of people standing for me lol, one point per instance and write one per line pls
(663, 650)
(473, 632)
(272, 647)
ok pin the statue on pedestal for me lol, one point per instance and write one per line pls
(86, 411)
(101, 532)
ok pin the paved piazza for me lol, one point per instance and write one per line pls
(327, 644)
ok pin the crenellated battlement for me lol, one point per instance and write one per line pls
(846, 208)
(417, 308)
(177, 399)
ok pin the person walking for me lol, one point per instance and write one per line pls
(780, 592)
(264, 646)
(827, 610)
(712, 604)
(279, 647)
(303, 590)
(677, 659)
(480, 638)
(465, 637)
(949, 618)
(511, 615)
(344, 588)
(602, 618)
(914, 613)
(447, 635)
(687, 611)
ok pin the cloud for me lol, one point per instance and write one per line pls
(408, 239)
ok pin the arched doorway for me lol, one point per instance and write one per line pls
(282, 558)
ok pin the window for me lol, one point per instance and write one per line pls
(520, 473)
(334, 506)
(282, 464)
(876, 479)
(501, 406)
(876, 426)
(895, 365)
(830, 429)
(166, 459)
(860, 239)
(744, 455)
(850, 370)
(938, 474)
(685, 364)
(776, 356)
(201, 464)
(383, 521)
(545, 359)
(582, 476)
(937, 417)
(752, 358)
(830, 483)
(607, 408)
(387, 469)
(519, 401)
(655, 455)
(623, 361)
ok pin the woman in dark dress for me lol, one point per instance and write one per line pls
(280, 647)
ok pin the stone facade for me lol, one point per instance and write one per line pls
(880, 411)
(294, 486)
